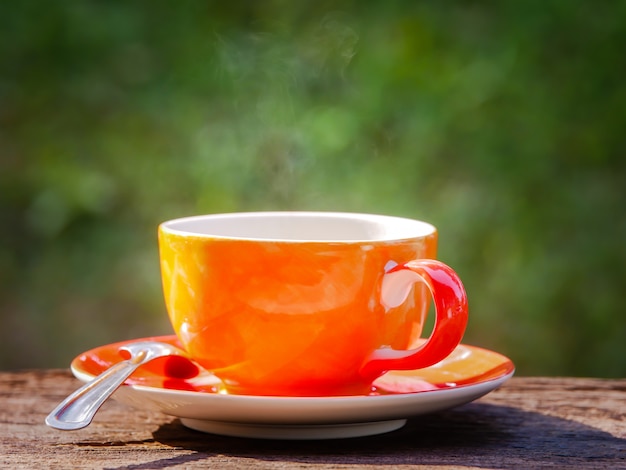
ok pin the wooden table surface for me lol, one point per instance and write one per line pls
(527, 423)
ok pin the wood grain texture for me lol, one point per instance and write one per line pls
(528, 423)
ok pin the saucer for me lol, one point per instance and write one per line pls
(202, 404)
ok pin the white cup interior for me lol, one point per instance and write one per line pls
(300, 226)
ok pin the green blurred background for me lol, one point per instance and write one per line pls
(503, 123)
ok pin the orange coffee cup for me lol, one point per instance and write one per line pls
(308, 303)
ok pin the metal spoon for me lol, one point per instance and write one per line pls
(78, 409)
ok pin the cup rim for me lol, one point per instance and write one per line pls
(384, 228)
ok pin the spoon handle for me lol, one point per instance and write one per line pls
(78, 409)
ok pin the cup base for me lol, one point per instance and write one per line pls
(276, 388)
(294, 432)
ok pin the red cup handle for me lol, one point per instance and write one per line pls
(450, 302)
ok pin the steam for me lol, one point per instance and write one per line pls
(279, 93)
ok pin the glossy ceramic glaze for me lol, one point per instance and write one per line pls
(307, 304)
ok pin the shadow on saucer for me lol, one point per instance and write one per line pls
(507, 438)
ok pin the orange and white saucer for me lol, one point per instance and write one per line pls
(201, 403)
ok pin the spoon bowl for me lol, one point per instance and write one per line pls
(79, 408)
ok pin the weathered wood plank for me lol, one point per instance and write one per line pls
(529, 422)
